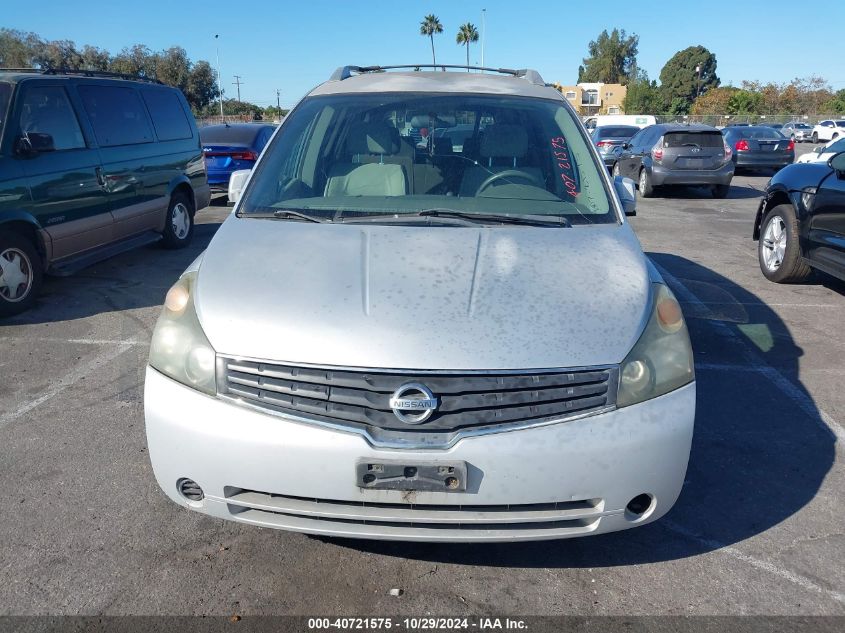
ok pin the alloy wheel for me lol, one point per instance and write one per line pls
(16, 275)
(774, 243)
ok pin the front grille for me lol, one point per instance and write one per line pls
(304, 513)
(465, 401)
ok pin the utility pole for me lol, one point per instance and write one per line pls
(698, 90)
(483, 14)
(219, 85)
(238, 83)
(278, 103)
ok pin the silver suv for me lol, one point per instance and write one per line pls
(393, 337)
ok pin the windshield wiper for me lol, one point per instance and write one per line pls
(285, 214)
(464, 218)
(485, 218)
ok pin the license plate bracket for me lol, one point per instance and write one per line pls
(409, 475)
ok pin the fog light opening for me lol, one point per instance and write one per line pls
(640, 507)
(190, 489)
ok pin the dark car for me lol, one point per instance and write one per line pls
(800, 223)
(91, 164)
(674, 154)
(231, 147)
(759, 147)
(608, 137)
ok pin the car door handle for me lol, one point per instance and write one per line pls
(100, 178)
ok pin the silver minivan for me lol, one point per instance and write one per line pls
(395, 338)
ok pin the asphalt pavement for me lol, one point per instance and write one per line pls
(758, 528)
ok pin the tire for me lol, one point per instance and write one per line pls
(720, 191)
(179, 224)
(815, 137)
(835, 136)
(21, 267)
(646, 188)
(778, 251)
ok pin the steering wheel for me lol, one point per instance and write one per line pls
(508, 173)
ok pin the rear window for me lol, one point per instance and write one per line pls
(802, 126)
(702, 139)
(760, 134)
(617, 131)
(225, 134)
(840, 124)
(168, 115)
(117, 115)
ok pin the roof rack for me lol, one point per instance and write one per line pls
(345, 72)
(80, 72)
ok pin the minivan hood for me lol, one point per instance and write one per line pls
(423, 297)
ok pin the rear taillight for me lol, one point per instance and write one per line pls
(790, 146)
(741, 146)
(244, 156)
(657, 150)
(603, 144)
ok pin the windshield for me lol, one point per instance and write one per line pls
(840, 124)
(345, 156)
(5, 94)
(802, 126)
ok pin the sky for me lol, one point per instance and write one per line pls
(292, 46)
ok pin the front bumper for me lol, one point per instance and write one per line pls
(660, 175)
(563, 480)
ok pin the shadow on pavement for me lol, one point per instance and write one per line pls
(136, 279)
(758, 457)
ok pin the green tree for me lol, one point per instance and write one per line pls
(58, 54)
(202, 86)
(837, 103)
(714, 101)
(428, 27)
(94, 58)
(467, 34)
(137, 60)
(679, 80)
(173, 67)
(643, 96)
(17, 49)
(612, 58)
(744, 102)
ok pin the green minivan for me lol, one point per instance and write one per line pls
(91, 165)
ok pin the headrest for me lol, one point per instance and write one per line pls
(371, 138)
(504, 140)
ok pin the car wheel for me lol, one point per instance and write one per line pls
(646, 189)
(778, 251)
(20, 274)
(720, 191)
(815, 137)
(179, 225)
(835, 136)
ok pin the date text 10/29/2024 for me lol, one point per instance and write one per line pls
(416, 624)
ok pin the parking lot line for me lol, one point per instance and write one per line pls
(717, 547)
(787, 387)
(75, 341)
(79, 372)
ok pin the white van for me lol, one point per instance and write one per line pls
(640, 120)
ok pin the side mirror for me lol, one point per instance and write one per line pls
(626, 146)
(236, 184)
(837, 163)
(625, 189)
(32, 143)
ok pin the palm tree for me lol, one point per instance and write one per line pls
(429, 26)
(467, 34)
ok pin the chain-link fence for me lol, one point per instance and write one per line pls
(721, 120)
(231, 118)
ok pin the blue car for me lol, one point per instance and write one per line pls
(230, 147)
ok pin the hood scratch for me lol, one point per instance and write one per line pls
(365, 270)
(475, 272)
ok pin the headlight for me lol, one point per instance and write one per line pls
(661, 360)
(179, 347)
(808, 196)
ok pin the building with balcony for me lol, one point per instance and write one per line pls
(595, 98)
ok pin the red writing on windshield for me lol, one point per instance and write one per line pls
(563, 160)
